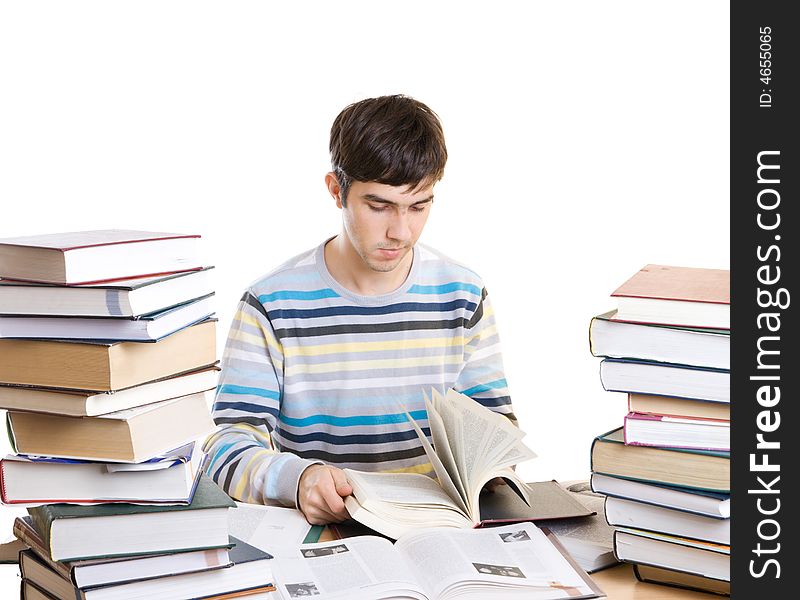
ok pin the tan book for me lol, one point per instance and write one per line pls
(678, 407)
(682, 296)
(106, 365)
(132, 435)
(696, 469)
(88, 403)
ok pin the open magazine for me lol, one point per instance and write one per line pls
(514, 561)
(471, 446)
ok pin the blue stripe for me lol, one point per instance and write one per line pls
(222, 450)
(445, 288)
(319, 436)
(353, 421)
(229, 388)
(298, 295)
(371, 310)
(485, 387)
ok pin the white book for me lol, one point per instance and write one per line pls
(661, 379)
(670, 552)
(638, 515)
(676, 345)
(514, 561)
(80, 257)
(32, 481)
(149, 327)
(123, 298)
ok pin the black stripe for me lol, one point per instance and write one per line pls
(249, 420)
(493, 402)
(298, 332)
(320, 436)
(478, 312)
(362, 458)
(229, 477)
(233, 455)
(253, 301)
(337, 311)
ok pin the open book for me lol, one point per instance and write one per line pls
(471, 446)
(514, 561)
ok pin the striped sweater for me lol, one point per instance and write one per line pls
(313, 372)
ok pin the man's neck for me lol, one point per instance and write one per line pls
(349, 270)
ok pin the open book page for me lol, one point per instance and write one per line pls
(360, 568)
(393, 503)
(441, 458)
(274, 529)
(453, 563)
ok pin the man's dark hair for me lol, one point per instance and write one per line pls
(394, 140)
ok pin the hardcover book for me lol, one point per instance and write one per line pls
(695, 469)
(123, 298)
(149, 327)
(247, 572)
(132, 435)
(675, 345)
(104, 571)
(106, 530)
(92, 256)
(683, 296)
(106, 365)
(704, 559)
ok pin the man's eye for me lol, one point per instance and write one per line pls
(379, 208)
(420, 208)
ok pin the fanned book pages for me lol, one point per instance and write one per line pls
(513, 561)
(682, 296)
(80, 257)
(471, 446)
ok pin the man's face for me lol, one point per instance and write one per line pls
(383, 222)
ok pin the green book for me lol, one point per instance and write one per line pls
(696, 469)
(74, 532)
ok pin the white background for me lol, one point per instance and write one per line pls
(586, 140)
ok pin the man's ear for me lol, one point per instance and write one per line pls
(334, 188)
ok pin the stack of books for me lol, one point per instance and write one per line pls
(109, 354)
(666, 471)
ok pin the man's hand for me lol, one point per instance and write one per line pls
(320, 493)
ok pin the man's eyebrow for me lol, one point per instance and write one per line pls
(378, 199)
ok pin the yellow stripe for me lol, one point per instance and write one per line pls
(423, 469)
(245, 478)
(243, 317)
(363, 365)
(371, 346)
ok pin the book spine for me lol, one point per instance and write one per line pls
(42, 520)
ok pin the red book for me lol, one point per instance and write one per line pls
(676, 296)
(92, 256)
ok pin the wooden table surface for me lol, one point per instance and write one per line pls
(619, 583)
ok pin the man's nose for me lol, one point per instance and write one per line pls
(400, 227)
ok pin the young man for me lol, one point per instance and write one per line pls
(328, 351)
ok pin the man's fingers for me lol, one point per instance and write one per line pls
(332, 500)
(343, 487)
